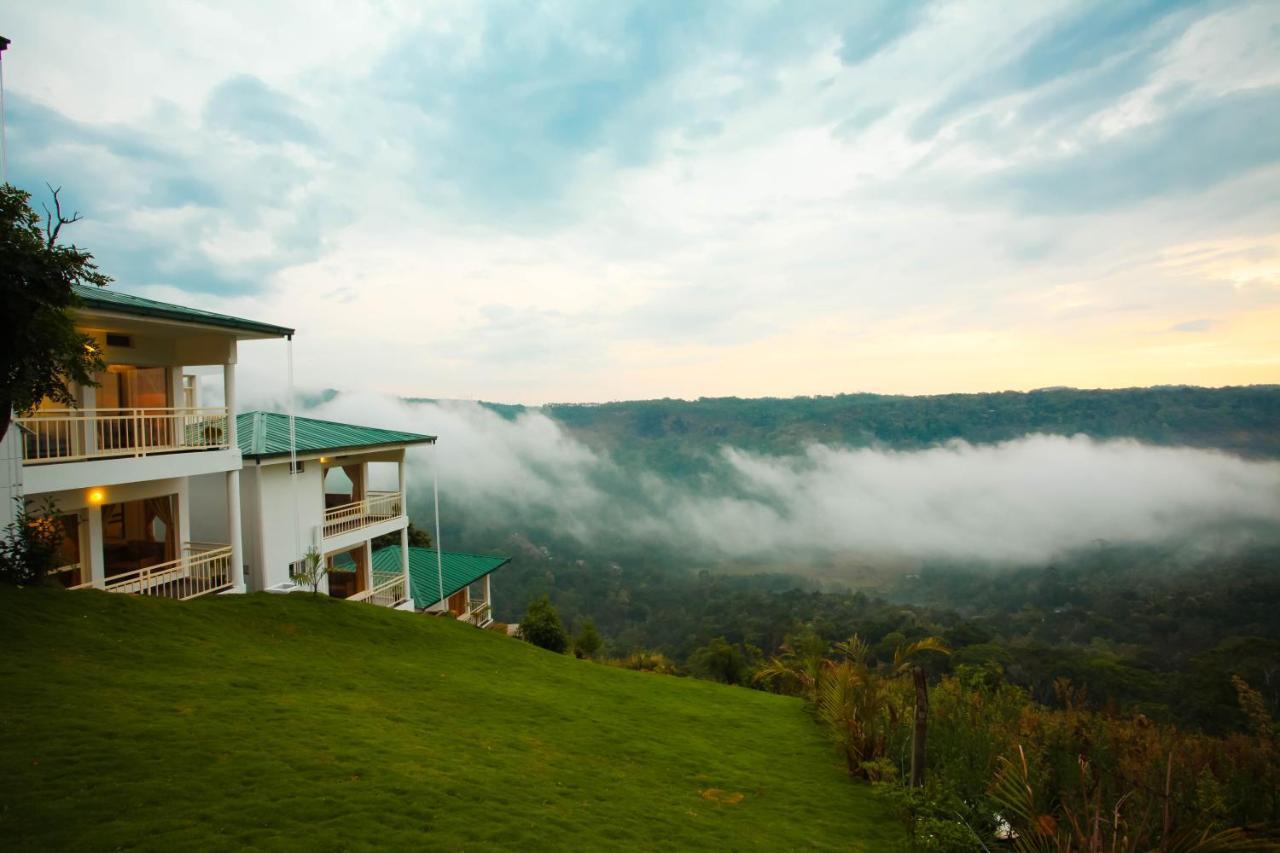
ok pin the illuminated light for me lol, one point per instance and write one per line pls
(97, 496)
(323, 459)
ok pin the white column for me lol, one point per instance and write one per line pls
(183, 533)
(175, 387)
(368, 564)
(89, 436)
(488, 594)
(229, 393)
(95, 559)
(404, 502)
(233, 522)
(404, 552)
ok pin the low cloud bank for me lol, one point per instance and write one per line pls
(1017, 501)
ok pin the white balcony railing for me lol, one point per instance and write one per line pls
(374, 508)
(68, 435)
(388, 590)
(203, 568)
(477, 612)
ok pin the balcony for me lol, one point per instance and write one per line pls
(374, 508)
(388, 590)
(71, 435)
(202, 569)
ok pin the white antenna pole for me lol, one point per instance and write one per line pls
(435, 490)
(293, 455)
(4, 145)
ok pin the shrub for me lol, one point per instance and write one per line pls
(541, 626)
(728, 663)
(29, 548)
(587, 642)
(645, 661)
(310, 570)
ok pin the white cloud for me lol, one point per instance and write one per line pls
(1024, 500)
(773, 195)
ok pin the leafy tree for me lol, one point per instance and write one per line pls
(29, 548)
(541, 626)
(587, 642)
(41, 350)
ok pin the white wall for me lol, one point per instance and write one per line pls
(209, 508)
(274, 517)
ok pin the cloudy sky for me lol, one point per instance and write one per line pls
(593, 201)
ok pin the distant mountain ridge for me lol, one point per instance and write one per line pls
(1244, 420)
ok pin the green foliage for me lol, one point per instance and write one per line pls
(587, 641)
(40, 350)
(418, 538)
(541, 626)
(29, 546)
(725, 662)
(1114, 638)
(797, 666)
(675, 435)
(311, 570)
(374, 728)
(1089, 820)
(933, 817)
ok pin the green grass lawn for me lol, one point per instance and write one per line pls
(271, 722)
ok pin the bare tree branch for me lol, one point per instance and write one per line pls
(51, 229)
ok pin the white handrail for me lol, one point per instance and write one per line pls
(67, 435)
(387, 594)
(372, 509)
(477, 613)
(201, 569)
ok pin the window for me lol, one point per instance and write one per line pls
(115, 339)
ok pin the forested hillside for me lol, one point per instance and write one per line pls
(1243, 420)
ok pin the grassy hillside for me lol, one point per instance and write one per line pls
(293, 722)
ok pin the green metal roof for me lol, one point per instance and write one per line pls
(266, 434)
(103, 299)
(460, 570)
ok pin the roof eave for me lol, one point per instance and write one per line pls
(246, 329)
(363, 448)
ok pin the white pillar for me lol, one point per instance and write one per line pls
(368, 564)
(233, 522)
(96, 560)
(404, 503)
(404, 552)
(488, 594)
(89, 400)
(175, 388)
(229, 393)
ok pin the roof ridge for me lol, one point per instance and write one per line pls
(454, 553)
(341, 423)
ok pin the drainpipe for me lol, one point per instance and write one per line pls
(293, 456)
(435, 491)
